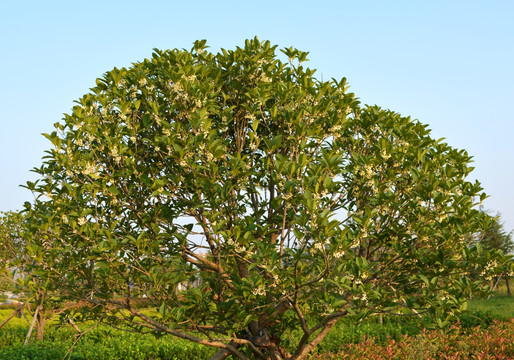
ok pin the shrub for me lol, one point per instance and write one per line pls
(494, 342)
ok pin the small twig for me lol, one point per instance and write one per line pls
(79, 336)
(74, 326)
(25, 316)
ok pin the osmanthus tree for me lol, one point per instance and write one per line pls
(285, 203)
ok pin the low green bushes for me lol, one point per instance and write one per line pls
(100, 344)
(347, 332)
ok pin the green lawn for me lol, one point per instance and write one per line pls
(498, 304)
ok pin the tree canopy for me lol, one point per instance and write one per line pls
(277, 199)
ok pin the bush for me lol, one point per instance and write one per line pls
(99, 344)
(494, 342)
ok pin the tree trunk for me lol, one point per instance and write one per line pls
(40, 325)
(508, 286)
(268, 345)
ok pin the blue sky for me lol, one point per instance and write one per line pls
(449, 64)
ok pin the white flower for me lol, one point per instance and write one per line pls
(260, 290)
(336, 128)
(318, 246)
(384, 154)
(369, 170)
(239, 248)
(276, 280)
(287, 196)
(265, 79)
(338, 254)
(355, 243)
(81, 221)
(90, 169)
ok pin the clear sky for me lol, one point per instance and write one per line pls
(449, 64)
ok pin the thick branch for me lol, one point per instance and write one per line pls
(18, 309)
(202, 262)
(32, 325)
(302, 351)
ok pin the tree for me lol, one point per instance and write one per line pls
(293, 204)
(23, 270)
(495, 238)
(10, 248)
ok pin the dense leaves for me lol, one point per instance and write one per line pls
(242, 197)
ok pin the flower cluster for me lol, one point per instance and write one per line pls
(259, 290)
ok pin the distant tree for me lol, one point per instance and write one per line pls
(20, 269)
(496, 237)
(294, 205)
(11, 248)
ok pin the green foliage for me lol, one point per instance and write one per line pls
(282, 201)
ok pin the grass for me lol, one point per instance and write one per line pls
(499, 304)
